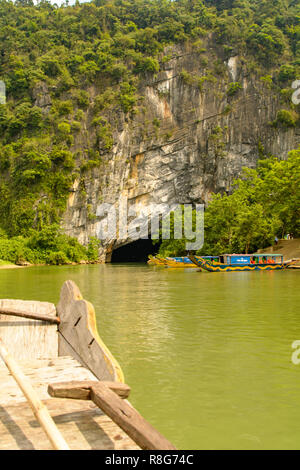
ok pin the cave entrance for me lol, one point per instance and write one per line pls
(135, 252)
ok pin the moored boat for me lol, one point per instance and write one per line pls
(238, 263)
(179, 261)
(185, 262)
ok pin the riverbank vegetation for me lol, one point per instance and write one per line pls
(5, 263)
(54, 131)
(47, 246)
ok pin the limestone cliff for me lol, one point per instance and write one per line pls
(190, 137)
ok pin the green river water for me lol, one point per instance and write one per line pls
(208, 355)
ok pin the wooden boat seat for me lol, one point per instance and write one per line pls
(82, 423)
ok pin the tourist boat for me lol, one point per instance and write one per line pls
(185, 262)
(237, 263)
(178, 262)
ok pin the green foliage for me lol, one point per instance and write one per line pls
(268, 80)
(65, 108)
(174, 246)
(64, 128)
(104, 135)
(286, 95)
(127, 97)
(233, 88)
(187, 77)
(75, 126)
(57, 258)
(50, 65)
(105, 100)
(266, 42)
(147, 64)
(264, 203)
(93, 249)
(195, 80)
(15, 250)
(285, 119)
(82, 98)
(48, 246)
(89, 70)
(287, 72)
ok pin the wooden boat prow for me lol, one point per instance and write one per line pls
(83, 343)
(79, 381)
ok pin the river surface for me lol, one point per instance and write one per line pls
(208, 355)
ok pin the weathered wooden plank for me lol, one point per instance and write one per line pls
(78, 335)
(30, 306)
(81, 390)
(41, 373)
(129, 419)
(82, 423)
(39, 410)
(29, 339)
(31, 316)
(120, 411)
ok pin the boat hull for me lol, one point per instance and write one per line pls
(181, 263)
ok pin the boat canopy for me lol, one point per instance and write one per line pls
(254, 254)
(266, 254)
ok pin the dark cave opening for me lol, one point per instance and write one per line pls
(135, 252)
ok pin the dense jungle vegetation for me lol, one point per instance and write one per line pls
(265, 203)
(49, 56)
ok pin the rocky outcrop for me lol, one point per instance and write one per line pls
(191, 136)
(41, 96)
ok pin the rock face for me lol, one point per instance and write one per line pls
(191, 137)
(42, 97)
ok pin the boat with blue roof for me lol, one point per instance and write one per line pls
(185, 262)
(238, 263)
